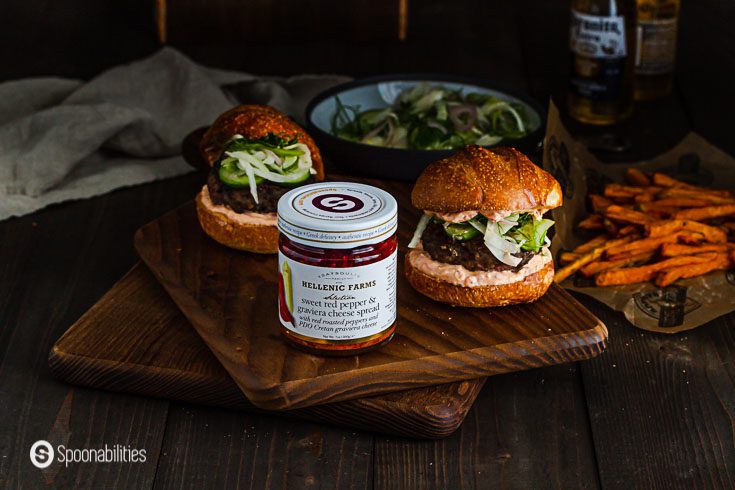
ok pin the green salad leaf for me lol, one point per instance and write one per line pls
(530, 233)
(276, 143)
(504, 238)
(427, 117)
(274, 158)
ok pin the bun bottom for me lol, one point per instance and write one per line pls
(529, 289)
(262, 239)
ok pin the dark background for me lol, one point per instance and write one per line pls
(516, 42)
(653, 411)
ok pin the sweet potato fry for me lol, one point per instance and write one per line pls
(676, 249)
(638, 246)
(617, 190)
(590, 245)
(654, 217)
(596, 267)
(661, 212)
(699, 214)
(599, 203)
(586, 258)
(619, 213)
(591, 222)
(627, 230)
(567, 257)
(690, 237)
(633, 176)
(661, 228)
(641, 198)
(632, 275)
(680, 202)
(669, 275)
(663, 180)
(711, 197)
(628, 191)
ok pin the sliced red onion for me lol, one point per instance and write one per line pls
(456, 111)
(391, 129)
(436, 125)
(376, 130)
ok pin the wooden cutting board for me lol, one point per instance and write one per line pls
(135, 340)
(230, 298)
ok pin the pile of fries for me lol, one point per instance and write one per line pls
(655, 228)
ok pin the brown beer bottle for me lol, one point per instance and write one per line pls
(656, 47)
(602, 45)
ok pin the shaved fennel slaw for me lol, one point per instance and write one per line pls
(248, 162)
(504, 238)
(432, 117)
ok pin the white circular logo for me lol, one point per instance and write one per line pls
(335, 203)
(42, 454)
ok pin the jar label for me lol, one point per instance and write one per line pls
(600, 37)
(337, 303)
(656, 46)
(598, 49)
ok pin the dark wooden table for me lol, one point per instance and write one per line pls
(653, 411)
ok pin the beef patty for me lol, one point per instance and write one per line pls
(241, 200)
(471, 254)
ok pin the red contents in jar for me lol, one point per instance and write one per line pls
(336, 258)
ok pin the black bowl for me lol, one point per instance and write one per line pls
(394, 163)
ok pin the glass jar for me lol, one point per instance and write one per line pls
(337, 267)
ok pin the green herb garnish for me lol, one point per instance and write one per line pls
(276, 143)
(530, 232)
(429, 117)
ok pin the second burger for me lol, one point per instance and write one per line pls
(482, 239)
(257, 154)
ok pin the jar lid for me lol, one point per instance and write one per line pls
(337, 215)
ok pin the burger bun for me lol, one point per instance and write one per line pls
(529, 289)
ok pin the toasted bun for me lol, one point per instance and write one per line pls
(255, 121)
(477, 178)
(531, 288)
(262, 239)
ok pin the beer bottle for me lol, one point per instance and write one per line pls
(656, 47)
(602, 44)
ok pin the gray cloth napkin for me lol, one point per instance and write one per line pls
(67, 139)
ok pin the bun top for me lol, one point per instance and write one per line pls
(476, 178)
(254, 122)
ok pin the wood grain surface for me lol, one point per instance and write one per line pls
(584, 425)
(230, 298)
(135, 340)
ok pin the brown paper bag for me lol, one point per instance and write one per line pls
(682, 306)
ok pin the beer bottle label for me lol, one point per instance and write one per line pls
(598, 51)
(656, 46)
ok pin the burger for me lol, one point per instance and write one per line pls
(482, 238)
(256, 155)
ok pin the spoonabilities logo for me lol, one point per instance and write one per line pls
(337, 203)
(42, 454)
